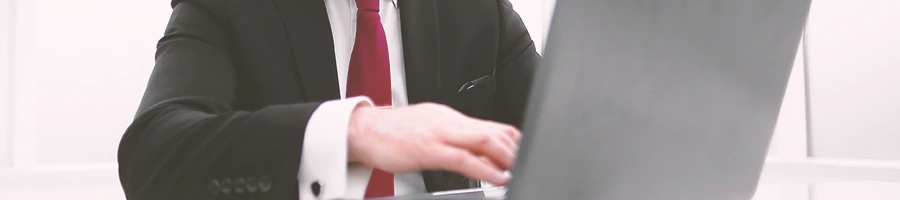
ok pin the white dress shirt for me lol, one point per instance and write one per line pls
(324, 156)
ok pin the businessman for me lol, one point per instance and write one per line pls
(288, 99)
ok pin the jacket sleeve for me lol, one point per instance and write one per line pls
(187, 141)
(516, 64)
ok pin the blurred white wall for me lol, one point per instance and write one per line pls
(80, 70)
(854, 79)
(72, 73)
(847, 72)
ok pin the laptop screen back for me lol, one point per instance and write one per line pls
(657, 99)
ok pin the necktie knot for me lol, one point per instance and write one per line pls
(367, 5)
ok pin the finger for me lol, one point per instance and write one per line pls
(470, 165)
(482, 143)
(506, 129)
(508, 135)
(489, 162)
(508, 142)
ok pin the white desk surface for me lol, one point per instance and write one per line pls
(769, 189)
(866, 190)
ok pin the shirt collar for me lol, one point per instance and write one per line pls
(393, 1)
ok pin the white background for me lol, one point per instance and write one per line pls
(72, 73)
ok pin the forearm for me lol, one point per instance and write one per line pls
(177, 151)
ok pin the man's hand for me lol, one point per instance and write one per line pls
(430, 136)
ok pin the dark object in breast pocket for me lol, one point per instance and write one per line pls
(475, 98)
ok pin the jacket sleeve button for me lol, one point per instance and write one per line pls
(239, 185)
(252, 184)
(213, 186)
(265, 184)
(226, 186)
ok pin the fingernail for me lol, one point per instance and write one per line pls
(504, 176)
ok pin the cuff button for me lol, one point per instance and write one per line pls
(316, 188)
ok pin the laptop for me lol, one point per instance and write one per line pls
(654, 99)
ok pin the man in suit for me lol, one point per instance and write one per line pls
(288, 99)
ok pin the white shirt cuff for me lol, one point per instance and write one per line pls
(324, 156)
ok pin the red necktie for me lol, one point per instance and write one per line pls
(370, 75)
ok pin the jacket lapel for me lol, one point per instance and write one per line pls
(421, 49)
(309, 32)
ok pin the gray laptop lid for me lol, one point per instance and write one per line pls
(657, 99)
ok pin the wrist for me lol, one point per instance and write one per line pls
(360, 123)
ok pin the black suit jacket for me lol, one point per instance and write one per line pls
(235, 82)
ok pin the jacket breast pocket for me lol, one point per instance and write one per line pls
(475, 98)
